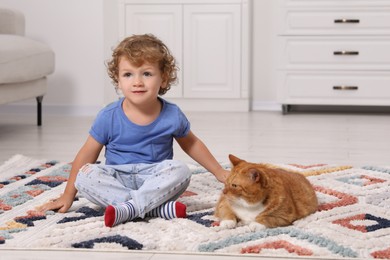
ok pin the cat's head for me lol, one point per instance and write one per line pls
(246, 181)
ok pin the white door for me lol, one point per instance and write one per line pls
(212, 51)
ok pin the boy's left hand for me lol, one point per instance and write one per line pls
(222, 175)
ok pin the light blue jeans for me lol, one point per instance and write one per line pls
(148, 185)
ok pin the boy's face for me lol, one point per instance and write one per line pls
(139, 84)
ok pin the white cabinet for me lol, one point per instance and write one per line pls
(333, 52)
(210, 42)
(212, 51)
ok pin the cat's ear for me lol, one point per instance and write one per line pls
(234, 160)
(258, 176)
(254, 175)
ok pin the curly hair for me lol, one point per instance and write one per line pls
(139, 49)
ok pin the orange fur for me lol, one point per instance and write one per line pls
(264, 194)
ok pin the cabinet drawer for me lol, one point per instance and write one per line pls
(335, 21)
(334, 53)
(336, 88)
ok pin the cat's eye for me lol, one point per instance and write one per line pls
(234, 185)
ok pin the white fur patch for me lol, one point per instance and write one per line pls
(245, 211)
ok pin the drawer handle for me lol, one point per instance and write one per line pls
(347, 21)
(345, 87)
(345, 53)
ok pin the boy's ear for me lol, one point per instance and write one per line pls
(118, 86)
(165, 79)
(164, 84)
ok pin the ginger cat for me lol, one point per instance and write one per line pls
(264, 196)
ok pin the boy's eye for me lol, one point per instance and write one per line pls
(127, 74)
(148, 74)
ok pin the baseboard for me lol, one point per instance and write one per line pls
(186, 105)
(211, 104)
(59, 110)
(266, 106)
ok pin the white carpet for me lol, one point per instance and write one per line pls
(353, 220)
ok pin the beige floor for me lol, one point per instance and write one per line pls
(353, 139)
(257, 136)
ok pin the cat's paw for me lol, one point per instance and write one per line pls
(227, 224)
(256, 226)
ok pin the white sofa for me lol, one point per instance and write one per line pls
(24, 62)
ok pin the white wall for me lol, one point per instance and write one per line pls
(264, 92)
(82, 34)
(74, 30)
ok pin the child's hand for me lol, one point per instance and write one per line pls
(62, 204)
(222, 175)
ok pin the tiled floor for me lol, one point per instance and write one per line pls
(257, 136)
(353, 139)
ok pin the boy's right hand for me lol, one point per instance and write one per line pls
(62, 204)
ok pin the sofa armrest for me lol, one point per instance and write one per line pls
(11, 22)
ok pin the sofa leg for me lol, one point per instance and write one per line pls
(39, 110)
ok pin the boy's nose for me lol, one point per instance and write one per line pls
(138, 81)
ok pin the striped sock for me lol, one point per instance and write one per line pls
(119, 214)
(169, 210)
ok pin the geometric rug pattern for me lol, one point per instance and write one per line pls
(352, 221)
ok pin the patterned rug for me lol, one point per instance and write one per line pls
(353, 219)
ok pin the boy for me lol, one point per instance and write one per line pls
(139, 177)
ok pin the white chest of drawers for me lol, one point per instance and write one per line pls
(333, 52)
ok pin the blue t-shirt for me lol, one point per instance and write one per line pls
(127, 142)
